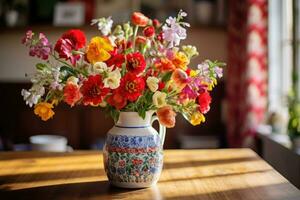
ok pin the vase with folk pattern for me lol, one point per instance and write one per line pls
(133, 151)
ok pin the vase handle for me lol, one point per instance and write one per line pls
(162, 130)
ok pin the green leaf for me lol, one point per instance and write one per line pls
(166, 77)
(40, 66)
(69, 70)
(142, 113)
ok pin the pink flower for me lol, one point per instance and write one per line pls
(65, 48)
(39, 47)
(27, 39)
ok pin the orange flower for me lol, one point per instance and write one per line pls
(71, 94)
(166, 116)
(181, 60)
(139, 19)
(98, 50)
(180, 78)
(44, 110)
(165, 65)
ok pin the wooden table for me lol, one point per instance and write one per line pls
(188, 174)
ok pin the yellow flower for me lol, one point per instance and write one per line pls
(97, 50)
(181, 60)
(44, 110)
(197, 118)
(194, 73)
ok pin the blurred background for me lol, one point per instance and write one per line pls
(86, 127)
(258, 39)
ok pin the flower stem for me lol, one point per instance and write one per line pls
(68, 65)
(134, 36)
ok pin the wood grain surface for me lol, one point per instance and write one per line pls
(228, 174)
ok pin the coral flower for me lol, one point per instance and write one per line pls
(72, 94)
(132, 86)
(98, 50)
(77, 37)
(139, 19)
(135, 62)
(166, 116)
(117, 100)
(164, 65)
(44, 110)
(93, 90)
(180, 78)
(181, 60)
(204, 101)
(140, 40)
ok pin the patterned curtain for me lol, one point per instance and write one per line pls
(246, 84)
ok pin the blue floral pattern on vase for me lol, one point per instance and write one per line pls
(133, 159)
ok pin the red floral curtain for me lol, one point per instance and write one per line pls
(246, 85)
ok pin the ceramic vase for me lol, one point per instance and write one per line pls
(133, 151)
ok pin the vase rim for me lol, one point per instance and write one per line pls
(129, 119)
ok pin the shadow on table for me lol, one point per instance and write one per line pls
(103, 190)
(99, 189)
(32, 178)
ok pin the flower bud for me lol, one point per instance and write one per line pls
(149, 31)
(139, 19)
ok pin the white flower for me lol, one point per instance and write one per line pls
(104, 25)
(173, 32)
(159, 99)
(103, 104)
(73, 80)
(33, 95)
(152, 83)
(182, 13)
(99, 67)
(204, 69)
(112, 81)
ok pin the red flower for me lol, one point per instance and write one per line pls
(204, 101)
(132, 86)
(116, 60)
(135, 62)
(93, 90)
(76, 36)
(161, 85)
(64, 48)
(71, 94)
(160, 37)
(139, 19)
(149, 31)
(188, 71)
(117, 100)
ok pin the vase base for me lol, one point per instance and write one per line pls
(132, 185)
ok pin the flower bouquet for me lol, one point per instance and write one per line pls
(137, 66)
(131, 71)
